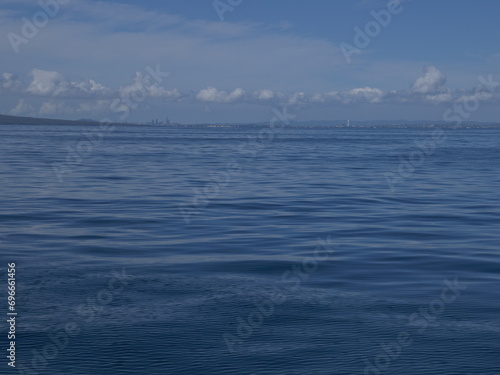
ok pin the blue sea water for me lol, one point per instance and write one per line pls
(232, 250)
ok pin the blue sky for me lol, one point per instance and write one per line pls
(93, 59)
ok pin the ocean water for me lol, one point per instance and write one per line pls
(248, 251)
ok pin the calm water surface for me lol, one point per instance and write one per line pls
(192, 251)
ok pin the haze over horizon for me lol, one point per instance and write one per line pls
(216, 62)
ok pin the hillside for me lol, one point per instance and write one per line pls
(17, 120)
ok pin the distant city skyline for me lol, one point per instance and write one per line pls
(237, 61)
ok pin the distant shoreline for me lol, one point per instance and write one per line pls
(315, 124)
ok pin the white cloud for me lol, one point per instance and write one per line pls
(432, 81)
(142, 88)
(22, 108)
(91, 87)
(213, 95)
(53, 84)
(330, 96)
(47, 83)
(370, 94)
(444, 97)
(60, 107)
(10, 84)
(94, 107)
(157, 91)
(317, 98)
(264, 94)
(298, 99)
(53, 107)
(237, 94)
(354, 96)
(210, 94)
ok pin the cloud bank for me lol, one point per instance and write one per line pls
(87, 96)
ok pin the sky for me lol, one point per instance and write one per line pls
(201, 61)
